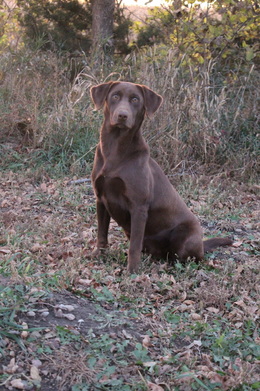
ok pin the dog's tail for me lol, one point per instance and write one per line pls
(212, 243)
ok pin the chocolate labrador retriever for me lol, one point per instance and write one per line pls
(131, 188)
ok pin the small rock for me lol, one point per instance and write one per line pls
(31, 314)
(69, 316)
(24, 333)
(45, 314)
(66, 307)
(59, 313)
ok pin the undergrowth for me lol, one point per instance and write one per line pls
(208, 122)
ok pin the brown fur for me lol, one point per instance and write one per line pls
(131, 188)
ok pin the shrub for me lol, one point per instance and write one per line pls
(66, 24)
(225, 30)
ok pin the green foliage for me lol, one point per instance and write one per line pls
(226, 30)
(66, 24)
(8, 25)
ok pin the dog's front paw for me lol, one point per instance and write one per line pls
(98, 251)
(132, 268)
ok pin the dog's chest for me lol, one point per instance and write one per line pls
(111, 191)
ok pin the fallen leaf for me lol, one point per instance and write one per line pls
(188, 302)
(154, 387)
(146, 341)
(126, 334)
(240, 303)
(237, 244)
(239, 270)
(86, 282)
(36, 247)
(18, 383)
(184, 295)
(149, 363)
(195, 316)
(66, 239)
(50, 334)
(11, 367)
(213, 310)
(239, 324)
(5, 203)
(4, 250)
(34, 373)
(183, 308)
(194, 343)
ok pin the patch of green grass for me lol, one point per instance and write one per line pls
(68, 155)
(13, 302)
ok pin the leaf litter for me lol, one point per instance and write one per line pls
(72, 322)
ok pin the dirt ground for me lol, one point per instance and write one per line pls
(70, 322)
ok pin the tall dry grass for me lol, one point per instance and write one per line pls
(209, 121)
(45, 119)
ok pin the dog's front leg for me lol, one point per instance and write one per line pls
(103, 219)
(138, 223)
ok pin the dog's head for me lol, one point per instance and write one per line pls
(125, 103)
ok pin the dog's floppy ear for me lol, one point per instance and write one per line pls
(99, 93)
(152, 101)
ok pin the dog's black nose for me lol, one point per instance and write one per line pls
(122, 116)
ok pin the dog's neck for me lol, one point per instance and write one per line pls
(118, 142)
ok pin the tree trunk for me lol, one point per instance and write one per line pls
(102, 29)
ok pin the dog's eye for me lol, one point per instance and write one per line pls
(115, 97)
(134, 100)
